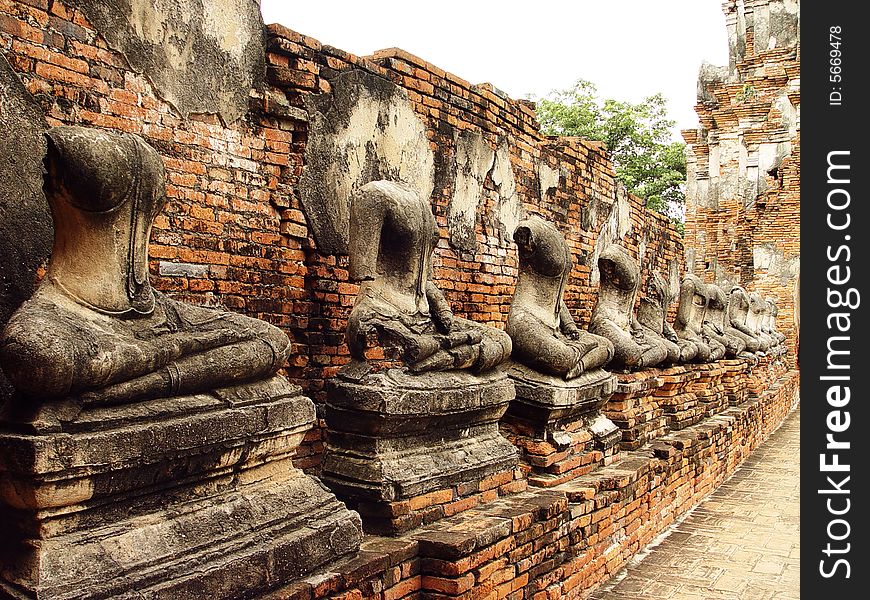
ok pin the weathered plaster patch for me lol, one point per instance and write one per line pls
(790, 116)
(767, 257)
(615, 227)
(202, 56)
(364, 130)
(474, 161)
(784, 22)
(509, 210)
(548, 178)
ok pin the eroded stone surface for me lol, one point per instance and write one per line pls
(94, 326)
(714, 325)
(25, 223)
(652, 314)
(394, 436)
(689, 322)
(737, 314)
(148, 449)
(203, 56)
(557, 370)
(416, 411)
(544, 334)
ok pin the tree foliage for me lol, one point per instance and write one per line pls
(647, 162)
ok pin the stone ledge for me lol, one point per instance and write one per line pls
(648, 404)
(567, 539)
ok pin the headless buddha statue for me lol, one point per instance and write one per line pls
(690, 319)
(736, 318)
(772, 313)
(392, 237)
(613, 315)
(765, 324)
(714, 323)
(95, 328)
(542, 329)
(652, 314)
(754, 319)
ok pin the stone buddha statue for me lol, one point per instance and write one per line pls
(95, 328)
(765, 325)
(690, 319)
(544, 335)
(613, 315)
(773, 312)
(736, 317)
(652, 314)
(417, 409)
(714, 322)
(754, 319)
(398, 308)
(149, 449)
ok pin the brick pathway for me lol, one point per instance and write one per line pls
(741, 543)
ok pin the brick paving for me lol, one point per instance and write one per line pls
(741, 543)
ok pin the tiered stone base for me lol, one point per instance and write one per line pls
(564, 541)
(406, 450)
(558, 425)
(177, 498)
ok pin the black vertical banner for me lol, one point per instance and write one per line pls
(835, 301)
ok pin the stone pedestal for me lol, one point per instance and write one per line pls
(185, 497)
(558, 424)
(409, 449)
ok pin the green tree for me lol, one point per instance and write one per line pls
(647, 162)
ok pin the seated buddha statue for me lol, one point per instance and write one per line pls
(755, 318)
(652, 314)
(392, 238)
(544, 334)
(772, 314)
(690, 319)
(613, 315)
(94, 328)
(714, 323)
(736, 315)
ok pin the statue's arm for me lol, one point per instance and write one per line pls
(439, 307)
(566, 322)
(743, 327)
(66, 364)
(668, 332)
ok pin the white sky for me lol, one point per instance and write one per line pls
(630, 49)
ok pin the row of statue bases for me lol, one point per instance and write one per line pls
(95, 344)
